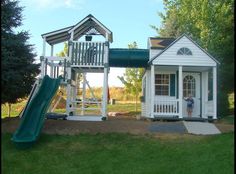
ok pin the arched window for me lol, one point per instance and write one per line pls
(184, 51)
(189, 86)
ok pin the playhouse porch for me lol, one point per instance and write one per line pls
(164, 89)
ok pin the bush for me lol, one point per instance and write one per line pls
(222, 104)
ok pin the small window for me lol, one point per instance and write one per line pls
(184, 51)
(162, 82)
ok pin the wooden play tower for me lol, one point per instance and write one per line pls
(84, 56)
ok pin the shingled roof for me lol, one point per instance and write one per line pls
(89, 23)
(160, 42)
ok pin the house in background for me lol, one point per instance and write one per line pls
(177, 68)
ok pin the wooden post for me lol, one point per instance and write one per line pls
(105, 88)
(107, 36)
(68, 90)
(214, 93)
(152, 91)
(180, 92)
(43, 55)
(105, 81)
(51, 67)
(204, 95)
(68, 71)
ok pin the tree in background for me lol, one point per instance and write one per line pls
(211, 24)
(132, 78)
(64, 52)
(18, 69)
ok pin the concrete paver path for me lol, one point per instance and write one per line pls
(201, 128)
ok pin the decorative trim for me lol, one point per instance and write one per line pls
(70, 43)
(68, 81)
(106, 65)
(68, 64)
(106, 43)
(41, 58)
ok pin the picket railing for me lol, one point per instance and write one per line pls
(88, 54)
(54, 66)
(166, 107)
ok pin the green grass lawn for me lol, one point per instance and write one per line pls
(15, 109)
(120, 154)
(228, 119)
(118, 107)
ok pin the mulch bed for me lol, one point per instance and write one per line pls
(113, 124)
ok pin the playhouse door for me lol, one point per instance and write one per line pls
(191, 85)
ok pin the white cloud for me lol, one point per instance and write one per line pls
(52, 4)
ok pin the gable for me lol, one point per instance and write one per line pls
(90, 23)
(198, 58)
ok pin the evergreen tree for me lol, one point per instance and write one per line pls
(17, 57)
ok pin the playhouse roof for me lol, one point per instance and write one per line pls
(160, 42)
(174, 41)
(85, 26)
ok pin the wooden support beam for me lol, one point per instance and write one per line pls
(152, 91)
(214, 92)
(42, 61)
(180, 92)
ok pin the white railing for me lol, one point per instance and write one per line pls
(54, 66)
(88, 54)
(56, 58)
(166, 107)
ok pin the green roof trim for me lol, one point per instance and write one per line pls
(132, 58)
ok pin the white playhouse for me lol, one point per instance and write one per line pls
(177, 68)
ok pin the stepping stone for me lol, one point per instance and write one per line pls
(176, 127)
(200, 128)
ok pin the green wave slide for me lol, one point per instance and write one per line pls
(33, 118)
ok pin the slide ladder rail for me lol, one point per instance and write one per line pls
(31, 95)
(58, 99)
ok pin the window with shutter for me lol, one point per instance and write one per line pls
(162, 82)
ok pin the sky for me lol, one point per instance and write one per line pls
(129, 21)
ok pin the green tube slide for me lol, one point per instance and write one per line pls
(33, 118)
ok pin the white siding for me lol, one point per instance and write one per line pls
(153, 52)
(145, 107)
(143, 104)
(148, 92)
(170, 57)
